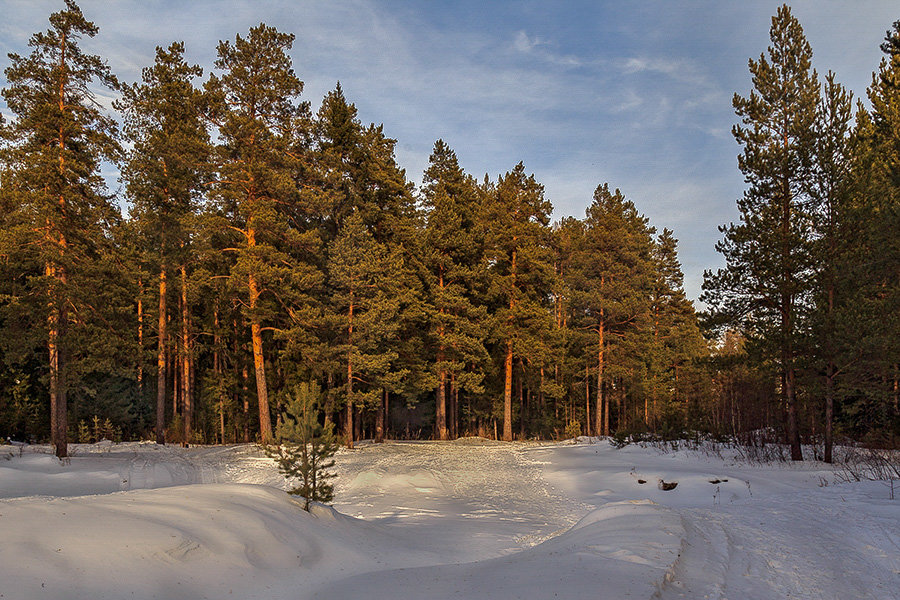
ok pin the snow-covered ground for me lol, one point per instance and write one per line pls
(465, 519)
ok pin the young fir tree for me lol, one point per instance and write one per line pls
(59, 138)
(304, 446)
(254, 105)
(451, 256)
(611, 278)
(768, 255)
(164, 174)
(515, 218)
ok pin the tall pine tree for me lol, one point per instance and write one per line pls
(516, 219)
(768, 255)
(164, 173)
(452, 260)
(254, 105)
(59, 139)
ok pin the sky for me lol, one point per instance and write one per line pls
(634, 94)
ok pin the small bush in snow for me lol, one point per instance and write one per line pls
(573, 430)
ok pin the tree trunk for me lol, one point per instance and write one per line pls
(605, 414)
(454, 408)
(440, 415)
(245, 389)
(58, 409)
(161, 362)
(140, 356)
(787, 312)
(791, 397)
(348, 421)
(379, 417)
(507, 387)
(387, 415)
(829, 412)
(507, 393)
(176, 370)
(440, 409)
(57, 316)
(587, 401)
(519, 393)
(187, 403)
(262, 394)
(602, 414)
(217, 369)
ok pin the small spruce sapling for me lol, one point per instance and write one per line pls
(304, 447)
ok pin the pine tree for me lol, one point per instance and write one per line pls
(768, 257)
(515, 218)
(611, 280)
(262, 128)
(874, 280)
(675, 333)
(830, 193)
(363, 275)
(451, 253)
(304, 447)
(571, 369)
(59, 138)
(360, 179)
(164, 174)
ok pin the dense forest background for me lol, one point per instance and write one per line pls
(266, 246)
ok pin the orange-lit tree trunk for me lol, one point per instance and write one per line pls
(57, 318)
(508, 363)
(140, 357)
(348, 420)
(161, 362)
(265, 420)
(602, 412)
(58, 410)
(507, 393)
(187, 403)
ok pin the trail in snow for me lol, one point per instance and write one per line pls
(471, 499)
(769, 531)
(797, 545)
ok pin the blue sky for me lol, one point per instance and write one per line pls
(636, 94)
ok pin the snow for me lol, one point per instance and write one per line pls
(465, 519)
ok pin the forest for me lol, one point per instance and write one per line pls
(264, 245)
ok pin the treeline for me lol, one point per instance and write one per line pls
(812, 275)
(267, 245)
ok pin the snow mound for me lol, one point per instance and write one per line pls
(622, 550)
(206, 541)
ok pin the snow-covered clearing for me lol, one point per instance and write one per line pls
(464, 519)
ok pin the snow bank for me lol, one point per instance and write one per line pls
(623, 550)
(198, 541)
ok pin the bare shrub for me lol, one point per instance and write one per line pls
(869, 464)
(760, 446)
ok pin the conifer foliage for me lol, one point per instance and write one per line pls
(277, 266)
